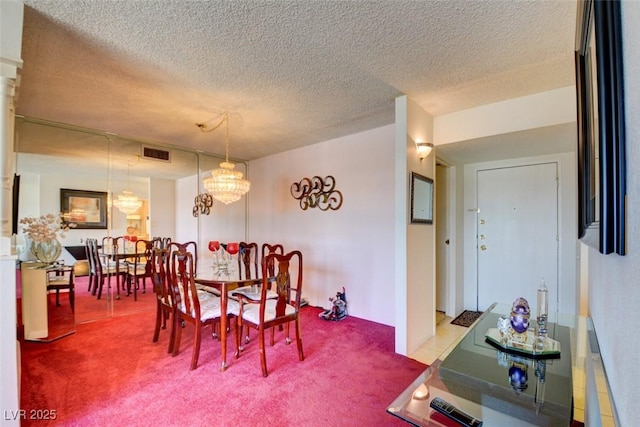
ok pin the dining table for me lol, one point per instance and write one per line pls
(222, 283)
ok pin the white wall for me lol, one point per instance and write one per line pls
(614, 285)
(10, 351)
(528, 112)
(415, 292)
(351, 247)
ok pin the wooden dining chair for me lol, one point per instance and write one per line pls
(113, 245)
(269, 313)
(161, 242)
(165, 309)
(103, 269)
(250, 257)
(110, 244)
(61, 278)
(92, 268)
(138, 267)
(196, 307)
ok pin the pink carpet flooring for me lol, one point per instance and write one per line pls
(109, 373)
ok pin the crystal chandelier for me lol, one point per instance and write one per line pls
(225, 184)
(127, 202)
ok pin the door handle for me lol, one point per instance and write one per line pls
(483, 248)
(446, 242)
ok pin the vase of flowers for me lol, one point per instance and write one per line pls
(47, 251)
(43, 232)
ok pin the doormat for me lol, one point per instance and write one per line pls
(467, 318)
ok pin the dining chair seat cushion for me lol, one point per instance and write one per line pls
(112, 264)
(251, 312)
(202, 295)
(214, 291)
(61, 281)
(137, 269)
(209, 289)
(110, 269)
(210, 306)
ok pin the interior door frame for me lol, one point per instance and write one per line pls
(452, 309)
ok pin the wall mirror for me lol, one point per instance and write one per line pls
(421, 199)
(52, 156)
(601, 135)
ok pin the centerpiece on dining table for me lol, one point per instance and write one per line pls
(130, 242)
(223, 260)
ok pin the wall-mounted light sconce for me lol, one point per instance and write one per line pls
(423, 149)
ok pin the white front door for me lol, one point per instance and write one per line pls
(517, 240)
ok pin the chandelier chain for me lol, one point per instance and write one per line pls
(127, 202)
(225, 119)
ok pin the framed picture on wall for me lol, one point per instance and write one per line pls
(86, 209)
(421, 199)
(601, 133)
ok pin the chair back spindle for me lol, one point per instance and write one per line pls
(248, 260)
(268, 249)
(190, 246)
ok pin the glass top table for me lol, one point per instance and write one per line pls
(500, 387)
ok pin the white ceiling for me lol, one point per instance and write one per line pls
(290, 73)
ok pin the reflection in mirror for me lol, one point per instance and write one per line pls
(51, 156)
(47, 319)
(421, 199)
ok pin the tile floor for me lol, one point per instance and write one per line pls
(447, 335)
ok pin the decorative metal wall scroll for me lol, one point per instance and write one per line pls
(202, 204)
(317, 193)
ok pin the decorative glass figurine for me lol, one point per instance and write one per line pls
(542, 315)
(520, 313)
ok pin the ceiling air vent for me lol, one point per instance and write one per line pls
(154, 153)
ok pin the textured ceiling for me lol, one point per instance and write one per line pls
(290, 73)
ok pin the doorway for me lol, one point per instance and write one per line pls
(445, 239)
(517, 233)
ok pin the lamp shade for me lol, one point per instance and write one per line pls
(423, 149)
